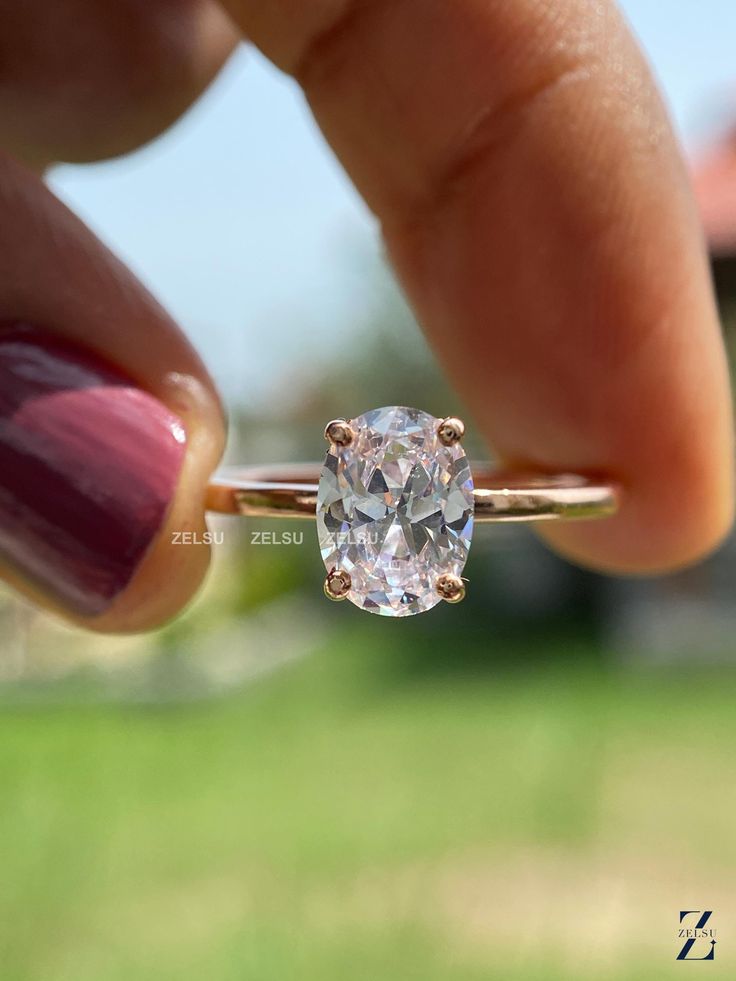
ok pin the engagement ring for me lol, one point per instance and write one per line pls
(395, 503)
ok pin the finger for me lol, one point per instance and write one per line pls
(109, 425)
(536, 208)
(86, 79)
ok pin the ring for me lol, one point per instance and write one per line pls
(396, 501)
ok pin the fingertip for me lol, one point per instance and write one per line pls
(653, 533)
(168, 578)
(101, 483)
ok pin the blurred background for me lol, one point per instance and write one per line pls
(529, 787)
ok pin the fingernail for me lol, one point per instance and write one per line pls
(88, 467)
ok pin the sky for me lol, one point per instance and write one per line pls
(243, 225)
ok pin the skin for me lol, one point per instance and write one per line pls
(533, 201)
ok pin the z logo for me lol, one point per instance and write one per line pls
(695, 933)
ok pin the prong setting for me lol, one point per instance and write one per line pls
(339, 432)
(450, 431)
(337, 585)
(450, 587)
(366, 490)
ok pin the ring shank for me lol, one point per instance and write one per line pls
(500, 495)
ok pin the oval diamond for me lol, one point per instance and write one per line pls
(395, 510)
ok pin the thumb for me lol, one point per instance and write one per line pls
(109, 425)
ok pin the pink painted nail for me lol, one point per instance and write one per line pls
(89, 464)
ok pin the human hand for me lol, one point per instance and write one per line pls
(535, 206)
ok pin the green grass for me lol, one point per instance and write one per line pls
(355, 817)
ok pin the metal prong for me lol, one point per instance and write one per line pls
(450, 430)
(339, 432)
(337, 585)
(451, 588)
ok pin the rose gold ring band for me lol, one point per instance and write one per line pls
(500, 495)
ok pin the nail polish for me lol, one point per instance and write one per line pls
(89, 464)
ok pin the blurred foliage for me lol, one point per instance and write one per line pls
(346, 820)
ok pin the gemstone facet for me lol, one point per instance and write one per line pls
(395, 511)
